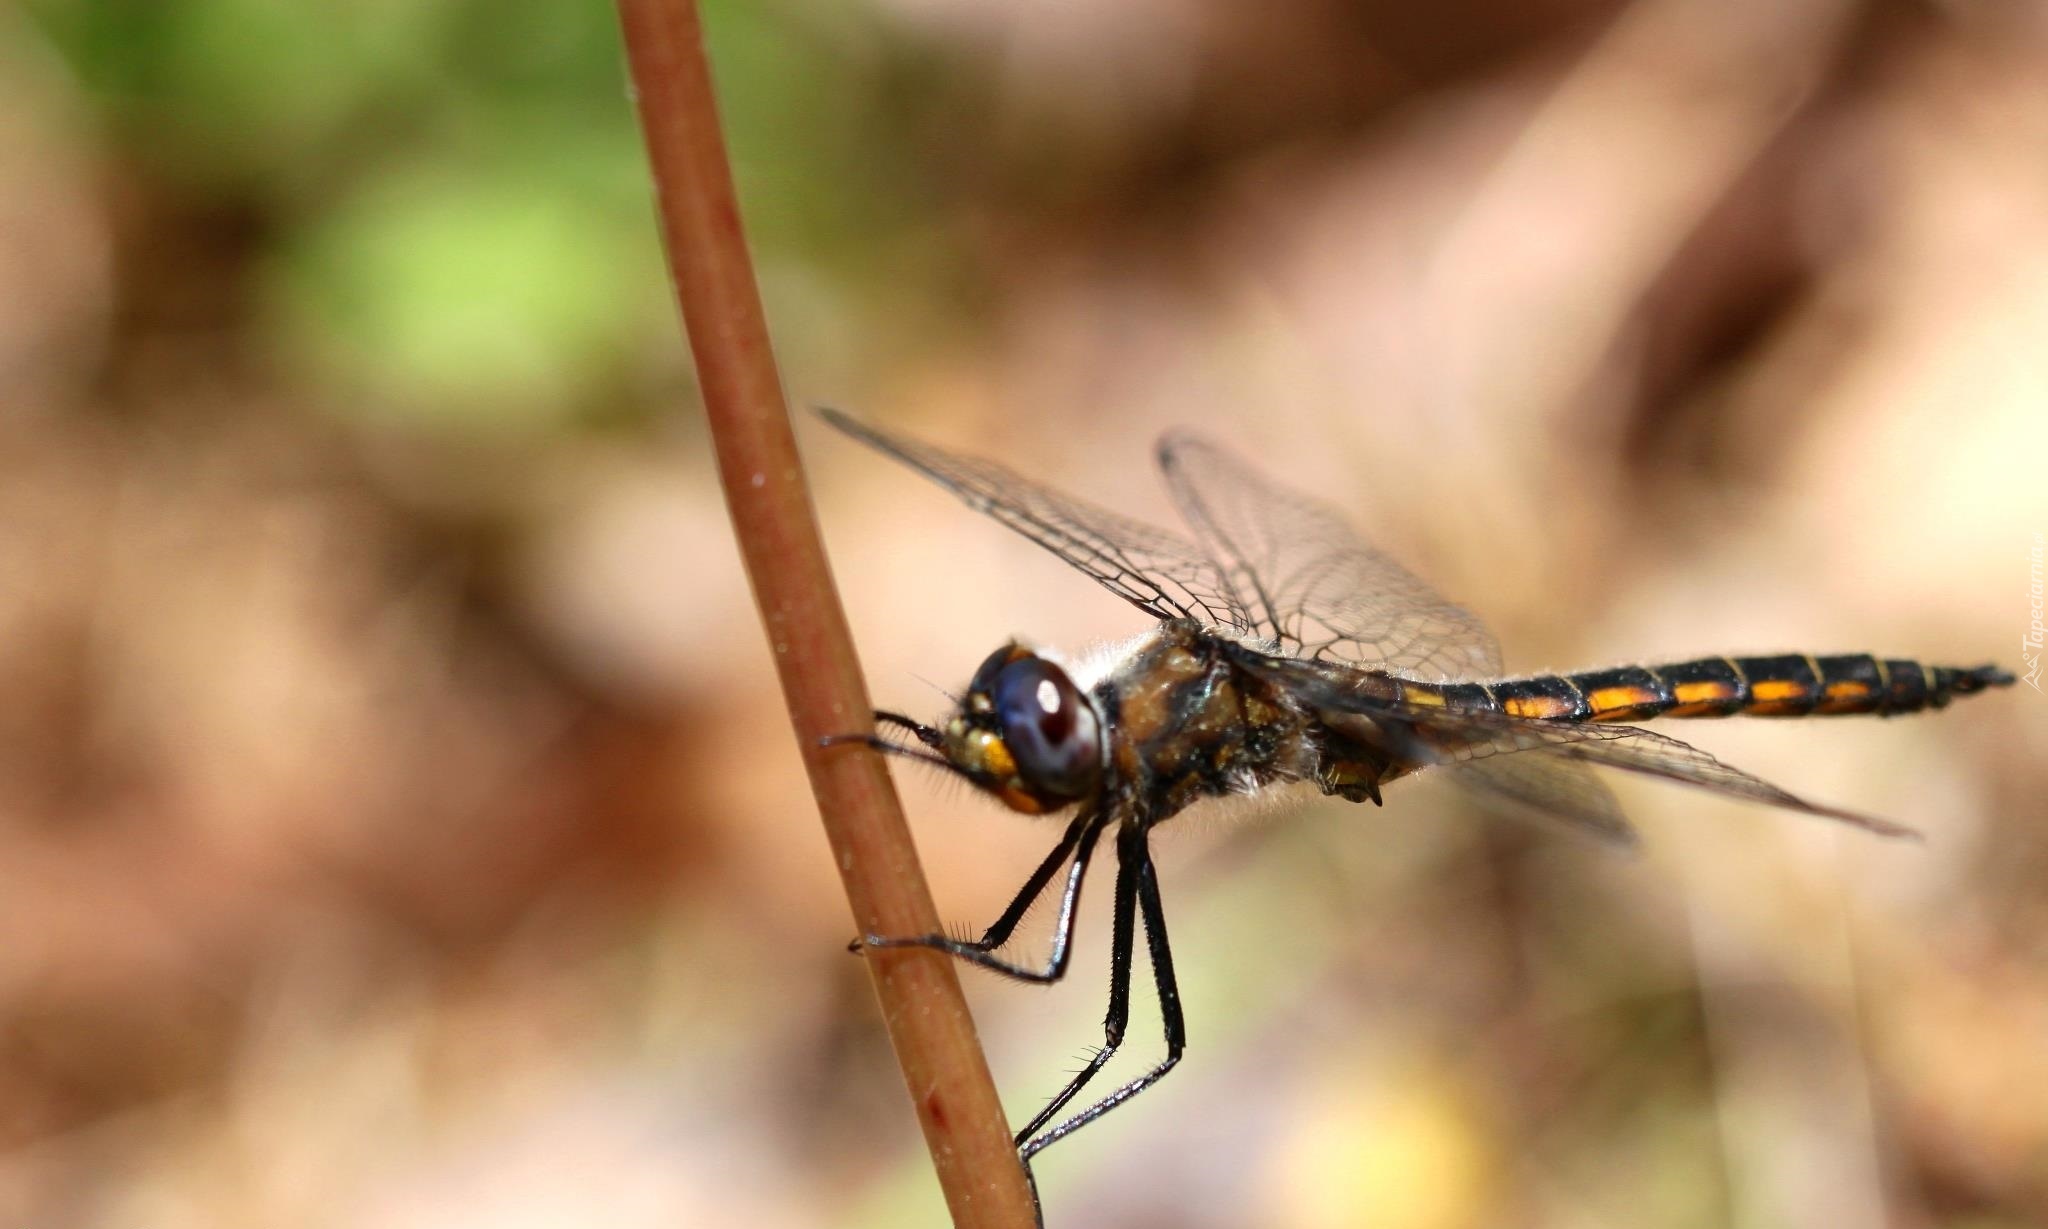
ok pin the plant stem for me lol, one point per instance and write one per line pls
(771, 512)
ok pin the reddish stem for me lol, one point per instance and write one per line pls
(772, 516)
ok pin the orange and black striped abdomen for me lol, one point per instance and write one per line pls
(1790, 685)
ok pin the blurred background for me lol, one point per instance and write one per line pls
(398, 823)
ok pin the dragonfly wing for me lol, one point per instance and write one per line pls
(1161, 573)
(1469, 736)
(1429, 734)
(1652, 754)
(1545, 783)
(1313, 585)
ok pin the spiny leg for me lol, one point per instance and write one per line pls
(1079, 842)
(1136, 858)
(1122, 931)
(1082, 829)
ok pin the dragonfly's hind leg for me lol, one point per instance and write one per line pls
(1122, 933)
(1137, 879)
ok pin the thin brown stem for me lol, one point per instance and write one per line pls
(772, 516)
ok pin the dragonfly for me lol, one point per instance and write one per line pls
(1289, 650)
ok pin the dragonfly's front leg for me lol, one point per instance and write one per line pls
(1077, 843)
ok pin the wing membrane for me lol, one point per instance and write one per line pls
(1435, 735)
(1313, 585)
(1161, 573)
(1545, 783)
(1469, 735)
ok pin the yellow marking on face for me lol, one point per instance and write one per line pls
(1611, 699)
(995, 757)
(983, 753)
(1537, 706)
(1018, 800)
(1772, 691)
(1704, 693)
(980, 752)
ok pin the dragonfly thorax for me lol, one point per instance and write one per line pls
(1188, 723)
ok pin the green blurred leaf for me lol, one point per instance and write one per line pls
(487, 297)
(229, 88)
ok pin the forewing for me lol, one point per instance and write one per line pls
(1161, 573)
(1543, 782)
(1311, 583)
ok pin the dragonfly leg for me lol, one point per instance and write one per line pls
(1122, 933)
(1135, 863)
(1077, 843)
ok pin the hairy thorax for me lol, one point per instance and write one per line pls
(1187, 723)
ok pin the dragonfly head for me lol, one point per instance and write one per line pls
(1027, 734)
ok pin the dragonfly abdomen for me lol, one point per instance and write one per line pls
(1788, 685)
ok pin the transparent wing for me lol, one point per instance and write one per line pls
(1467, 736)
(1542, 782)
(1312, 584)
(1161, 573)
(1432, 735)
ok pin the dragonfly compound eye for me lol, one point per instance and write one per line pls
(1049, 726)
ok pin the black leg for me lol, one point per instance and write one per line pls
(1122, 931)
(918, 729)
(1135, 859)
(1037, 1204)
(1002, 928)
(1079, 841)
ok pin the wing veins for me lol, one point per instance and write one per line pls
(1437, 735)
(1321, 589)
(1165, 575)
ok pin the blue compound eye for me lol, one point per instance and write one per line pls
(1049, 726)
